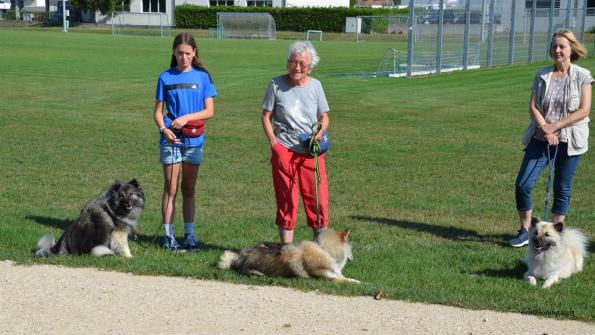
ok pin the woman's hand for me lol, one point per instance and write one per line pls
(548, 128)
(273, 142)
(319, 135)
(552, 139)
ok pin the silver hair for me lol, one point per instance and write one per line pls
(299, 47)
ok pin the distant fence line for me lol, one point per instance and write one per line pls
(482, 33)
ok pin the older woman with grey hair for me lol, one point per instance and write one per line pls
(294, 103)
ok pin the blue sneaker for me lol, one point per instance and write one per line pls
(190, 243)
(170, 243)
(521, 239)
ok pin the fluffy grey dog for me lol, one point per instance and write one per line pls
(103, 225)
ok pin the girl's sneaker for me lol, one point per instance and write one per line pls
(170, 243)
(190, 243)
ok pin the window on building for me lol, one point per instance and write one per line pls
(543, 7)
(590, 7)
(214, 3)
(154, 6)
(261, 3)
(542, 4)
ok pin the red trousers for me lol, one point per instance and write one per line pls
(294, 171)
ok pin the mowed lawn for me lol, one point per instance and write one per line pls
(421, 170)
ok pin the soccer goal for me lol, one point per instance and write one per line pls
(242, 25)
(313, 35)
(126, 23)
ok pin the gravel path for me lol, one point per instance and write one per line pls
(45, 299)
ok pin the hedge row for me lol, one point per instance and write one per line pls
(286, 19)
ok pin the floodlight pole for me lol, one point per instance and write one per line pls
(64, 28)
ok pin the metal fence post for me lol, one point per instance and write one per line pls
(439, 40)
(512, 33)
(410, 36)
(466, 36)
(568, 9)
(491, 34)
(532, 32)
(582, 31)
(550, 27)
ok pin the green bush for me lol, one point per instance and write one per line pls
(286, 19)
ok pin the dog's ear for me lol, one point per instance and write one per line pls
(344, 234)
(135, 183)
(534, 221)
(559, 226)
(116, 185)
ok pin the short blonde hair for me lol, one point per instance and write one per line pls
(578, 50)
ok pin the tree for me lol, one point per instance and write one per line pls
(103, 6)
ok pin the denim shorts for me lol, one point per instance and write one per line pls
(169, 154)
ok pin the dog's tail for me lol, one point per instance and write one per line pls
(227, 259)
(578, 243)
(44, 246)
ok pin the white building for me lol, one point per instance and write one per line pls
(168, 6)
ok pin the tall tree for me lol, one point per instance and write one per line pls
(103, 6)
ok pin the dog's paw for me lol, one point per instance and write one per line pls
(549, 283)
(532, 281)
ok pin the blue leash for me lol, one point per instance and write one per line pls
(550, 179)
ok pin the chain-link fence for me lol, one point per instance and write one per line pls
(472, 33)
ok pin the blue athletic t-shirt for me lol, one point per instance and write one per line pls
(184, 93)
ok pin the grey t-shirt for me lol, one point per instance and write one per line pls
(294, 109)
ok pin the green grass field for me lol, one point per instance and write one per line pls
(422, 170)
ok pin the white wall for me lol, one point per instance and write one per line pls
(191, 2)
(316, 3)
(35, 5)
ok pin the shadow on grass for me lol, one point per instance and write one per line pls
(50, 222)
(143, 240)
(450, 233)
(514, 273)
(154, 241)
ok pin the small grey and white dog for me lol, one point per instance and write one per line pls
(103, 226)
(555, 252)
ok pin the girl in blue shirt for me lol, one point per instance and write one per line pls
(184, 96)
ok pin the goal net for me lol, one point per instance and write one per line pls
(313, 35)
(126, 23)
(242, 25)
